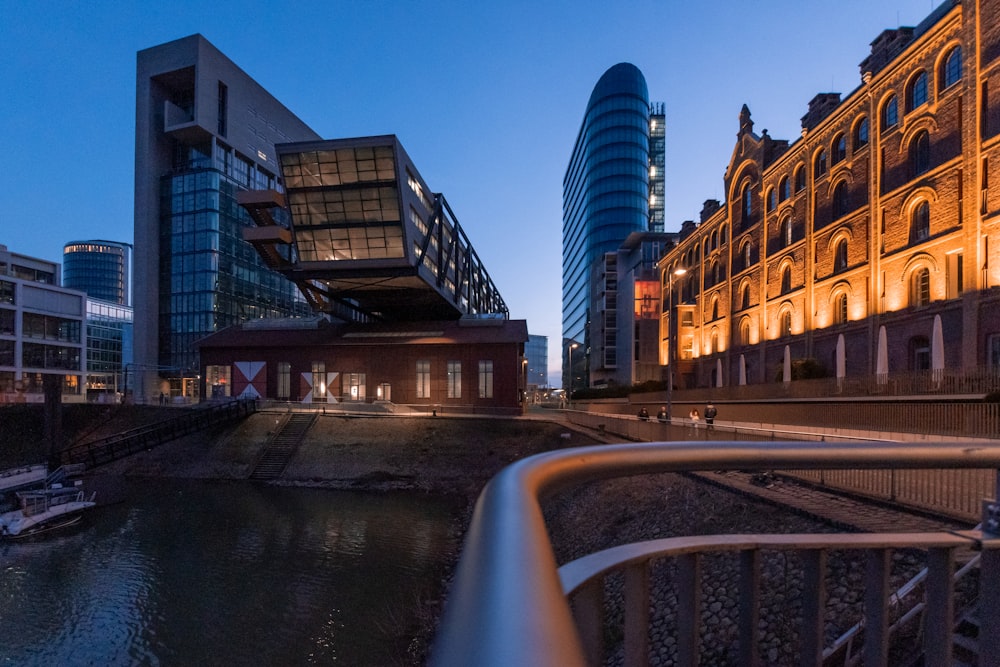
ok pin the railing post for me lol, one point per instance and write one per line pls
(749, 607)
(688, 608)
(876, 609)
(637, 614)
(939, 611)
(588, 613)
(813, 606)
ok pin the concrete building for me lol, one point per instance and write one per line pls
(205, 130)
(613, 187)
(870, 244)
(43, 351)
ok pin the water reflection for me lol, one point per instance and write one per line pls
(202, 573)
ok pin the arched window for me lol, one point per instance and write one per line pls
(839, 150)
(916, 93)
(784, 189)
(723, 234)
(800, 178)
(745, 298)
(861, 133)
(716, 277)
(840, 203)
(772, 199)
(920, 153)
(951, 68)
(715, 240)
(715, 342)
(786, 280)
(920, 225)
(745, 253)
(819, 166)
(840, 308)
(785, 324)
(745, 332)
(920, 287)
(890, 114)
(747, 200)
(786, 232)
(840, 256)
(715, 309)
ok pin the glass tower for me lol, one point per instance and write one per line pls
(102, 269)
(606, 197)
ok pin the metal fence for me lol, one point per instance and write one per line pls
(952, 493)
(509, 605)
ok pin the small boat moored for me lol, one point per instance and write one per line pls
(45, 509)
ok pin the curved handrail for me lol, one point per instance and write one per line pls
(507, 606)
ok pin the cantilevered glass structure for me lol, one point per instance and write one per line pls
(369, 240)
(606, 197)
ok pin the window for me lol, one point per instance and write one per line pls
(723, 234)
(920, 153)
(917, 92)
(318, 381)
(819, 166)
(920, 354)
(993, 350)
(951, 69)
(890, 114)
(920, 287)
(485, 379)
(920, 227)
(454, 379)
(284, 380)
(423, 379)
(840, 202)
(745, 332)
(747, 260)
(786, 280)
(786, 232)
(356, 386)
(747, 200)
(800, 178)
(840, 308)
(772, 199)
(840, 256)
(784, 189)
(745, 297)
(861, 133)
(715, 309)
(785, 324)
(839, 149)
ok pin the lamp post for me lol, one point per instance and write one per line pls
(672, 334)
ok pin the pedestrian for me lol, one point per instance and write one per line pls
(710, 413)
(695, 418)
(644, 414)
(662, 415)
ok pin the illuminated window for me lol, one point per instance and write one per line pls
(786, 280)
(318, 381)
(745, 332)
(356, 386)
(916, 94)
(284, 380)
(485, 379)
(423, 379)
(745, 297)
(454, 379)
(951, 70)
(785, 232)
(785, 324)
(745, 252)
(920, 287)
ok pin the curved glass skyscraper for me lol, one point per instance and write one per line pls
(606, 197)
(102, 269)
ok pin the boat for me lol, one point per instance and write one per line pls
(32, 500)
(45, 509)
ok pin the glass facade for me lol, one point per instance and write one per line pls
(606, 196)
(102, 269)
(213, 277)
(109, 347)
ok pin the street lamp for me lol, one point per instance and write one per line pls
(672, 334)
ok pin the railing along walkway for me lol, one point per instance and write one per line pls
(120, 445)
(509, 603)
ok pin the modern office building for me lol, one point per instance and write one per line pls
(42, 346)
(870, 245)
(110, 344)
(536, 352)
(205, 130)
(102, 269)
(613, 187)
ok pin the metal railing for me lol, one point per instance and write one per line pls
(509, 604)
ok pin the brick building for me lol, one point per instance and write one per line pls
(871, 244)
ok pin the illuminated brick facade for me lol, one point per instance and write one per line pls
(881, 217)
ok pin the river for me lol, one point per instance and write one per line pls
(221, 573)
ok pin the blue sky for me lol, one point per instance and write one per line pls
(486, 97)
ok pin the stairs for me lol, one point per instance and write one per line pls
(966, 639)
(282, 446)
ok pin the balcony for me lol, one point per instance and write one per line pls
(511, 604)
